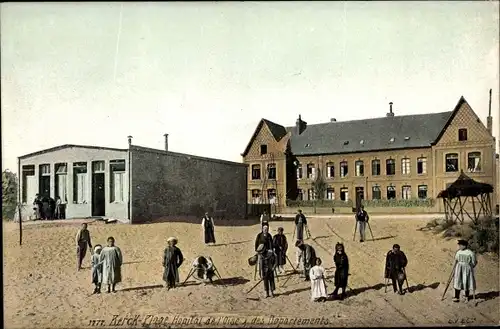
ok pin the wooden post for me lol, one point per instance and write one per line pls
(476, 216)
(20, 225)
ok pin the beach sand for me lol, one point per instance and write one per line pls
(42, 288)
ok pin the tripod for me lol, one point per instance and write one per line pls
(216, 272)
(356, 228)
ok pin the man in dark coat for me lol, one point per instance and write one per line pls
(172, 260)
(267, 265)
(361, 220)
(208, 228)
(395, 263)
(341, 270)
(308, 257)
(300, 224)
(280, 247)
(82, 240)
(264, 238)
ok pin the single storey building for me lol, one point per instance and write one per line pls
(138, 183)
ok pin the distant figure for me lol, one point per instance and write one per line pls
(204, 269)
(465, 263)
(341, 262)
(57, 210)
(37, 206)
(395, 263)
(280, 248)
(208, 228)
(264, 218)
(97, 268)
(46, 213)
(112, 260)
(318, 286)
(308, 257)
(172, 260)
(267, 265)
(300, 223)
(82, 240)
(264, 238)
(52, 207)
(362, 219)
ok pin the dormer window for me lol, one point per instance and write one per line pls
(308, 145)
(263, 149)
(362, 141)
(407, 138)
(462, 134)
(346, 142)
(391, 140)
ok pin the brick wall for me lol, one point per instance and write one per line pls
(173, 184)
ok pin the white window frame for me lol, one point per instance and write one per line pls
(423, 161)
(346, 194)
(405, 166)
(299, 172)
(421, 188)
(344, 169)
(312, 173)
(406, 192)
(377, 188)
(358, 164)
(451, 156)
(330, 193)
(330, 170)
(392, 189)
(477, 165)
(117, 182)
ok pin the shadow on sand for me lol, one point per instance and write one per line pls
(488, 295)
(197, 220)
(230, 243)
(420, 286)
(133, 262)
(155, 286)
(231, 281)
(383, 238)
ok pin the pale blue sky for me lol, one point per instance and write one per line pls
(206, 73)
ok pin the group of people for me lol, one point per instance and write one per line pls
(106, 262)
(47, 208)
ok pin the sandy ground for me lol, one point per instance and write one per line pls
(42, 288)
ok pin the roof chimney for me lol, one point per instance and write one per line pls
(333, 120)
(390, 114)
(129, 140)
(166, 141)
(300, 125)
(489, 119)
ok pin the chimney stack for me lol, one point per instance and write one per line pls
(390, 114)
(300, 125)
(166, 141)
(129, 140)
(489, 119)
(333, 120)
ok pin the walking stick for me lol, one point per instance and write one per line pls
(406, 278)
(293, 235)
(386, 281)
(255, 273)
(355, 229)
(370, 228)
(254, 286)
(449, 280)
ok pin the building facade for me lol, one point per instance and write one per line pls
(393, 157)
(138, 183)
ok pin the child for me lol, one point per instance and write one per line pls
(97, 269)
(318, 286)
(341, 270)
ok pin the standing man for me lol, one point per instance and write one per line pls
(208, 229)
(37, 203)
(362, 220)
(112, 260)
(308, 257)
(264, 218)
(395, 263)
(82, 240)
(264, 238)
(464, 278)
(300, 223)
(172, 260)
(280, 247)
(267, 265)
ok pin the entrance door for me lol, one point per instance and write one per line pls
(98, 195)
(360, 196)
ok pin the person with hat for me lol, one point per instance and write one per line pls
(300, 224)
(207, 223)
(264, 218)
(395, 264)
(82, 240)
(341, 262)
(361, 220)
(172, 260)
(464, 278)
(267, 265)
(112, 260)
(308, 257)
(96, 268)
(264, 238)
(280, 247)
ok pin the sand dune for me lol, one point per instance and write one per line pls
(42, 288)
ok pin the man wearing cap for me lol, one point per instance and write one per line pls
(280, 247)
(300, 224)
(361, 220)
(395, 264)
(464, 278)
(264, 238)
(267, 264)
(172, 260)
(308, 257)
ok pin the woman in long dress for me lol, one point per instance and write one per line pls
(172, 260)
(112, 260)
(208, 229)
(318, 286)
(465, 279)
(341, 270)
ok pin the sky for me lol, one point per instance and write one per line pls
(206, 73)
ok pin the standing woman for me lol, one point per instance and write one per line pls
(465, 263)
(341, 270)
(208, 228)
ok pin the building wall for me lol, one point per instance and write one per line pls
(275, 154)
(70, 156)
(172, 184)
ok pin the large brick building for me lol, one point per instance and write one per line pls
(137, 183)
(392, 157)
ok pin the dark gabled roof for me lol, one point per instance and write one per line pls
(465, 186)
(277, 131)
(65, 146)
(369, 135)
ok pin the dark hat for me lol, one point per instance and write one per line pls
(463, 243)
(396, 246)
(298, 243)
(280, 229)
